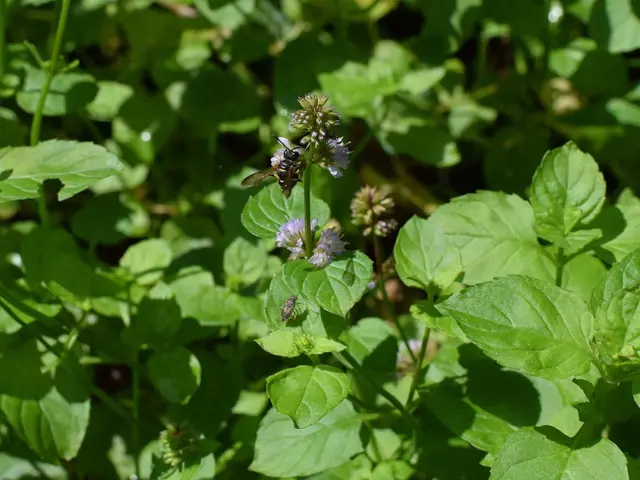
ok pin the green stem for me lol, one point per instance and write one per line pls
(36, 125)
(308, 234)
(346, 359)
(107, 400)
(560, 261)
(377, 251)
(417, 373)
(135, 424)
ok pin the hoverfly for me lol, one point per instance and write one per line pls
(288, 308)
(288, 171)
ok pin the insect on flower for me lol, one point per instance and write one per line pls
(288, 307)
(286, 166)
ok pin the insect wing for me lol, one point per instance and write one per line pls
(257, 177)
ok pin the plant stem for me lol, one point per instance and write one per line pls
(417, 373)
(346, 359)
(560, 260)
(377, 251)
(36, 125)
(107, 400)
(308, 234)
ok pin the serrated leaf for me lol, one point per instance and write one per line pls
(568, 190)
(243, 262)
(146, 260)
(581, 274)
(77, 165)
(175, 374)
(425, 312)
(540, 454)
(495, 235)
(291, 343)
(307, 393)
(624, 275)
(266, 212)
(372, 342)
(424, 258)
(335, 288)
(526, 324)
(47, 404)
(281, 450)
(621, 225)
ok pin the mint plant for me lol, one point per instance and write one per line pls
(358, 239)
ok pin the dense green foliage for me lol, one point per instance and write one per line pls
(160, 320)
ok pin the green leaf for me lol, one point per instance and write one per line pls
(482, 429)
(568, 190)
(201, 299)
(281, 450)
(68, 93)
(110, 98)
(47, 403)
(175, 374)
(621, 226)
(527, 325)
(335, 288)
(424, 258)
(581, 275)
(109, 219)
(617, 324)
(158, 317)
(12, 133)
(372, 342)
(307, 393)
(266, 212)
(624, 275)
(495, 235)
(146, 260)
(243, 262)
(615, 25)
(76, 165)
(540, 454)
(290, 343)
(425, 312)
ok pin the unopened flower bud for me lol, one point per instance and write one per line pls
(369, 207)
(316, 117)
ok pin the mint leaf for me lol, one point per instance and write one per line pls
(175, 374)
(243, 262)
(47, 403)
(426, 312)
(526, 324)
(624, 275)
(199, 298)
(621, 225)
(77, 165)
(335, 288)
(568, 190)
(281, 450)
(424, 258)
(307, 393)
(495, 235)
(615, 25)
(617, 324)
(266, 212)
(69, 92)
(540, 454)
(146, 260)
(290, 343)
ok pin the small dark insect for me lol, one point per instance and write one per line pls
(288, 172)
(288, 307)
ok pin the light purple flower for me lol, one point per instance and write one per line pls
(329, 246)
(291, 236)
(339, 157)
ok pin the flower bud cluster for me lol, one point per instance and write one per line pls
(179, 443)
(371, 207)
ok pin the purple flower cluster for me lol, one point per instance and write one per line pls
(292, 237)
